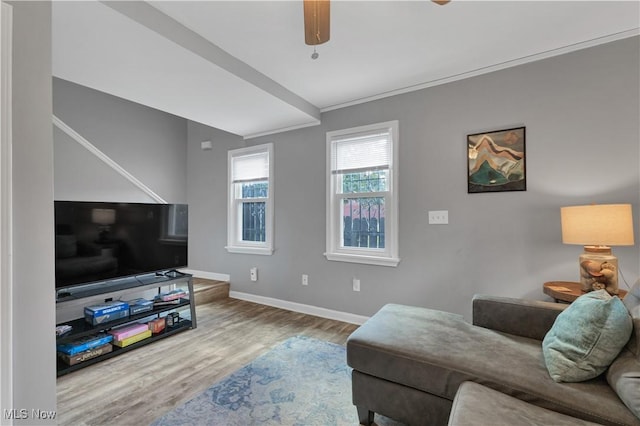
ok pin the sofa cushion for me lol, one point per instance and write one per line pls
(624, 374)
(586, 337)
(632, 303)
(624, 377)
(436, 351)
(475, 404)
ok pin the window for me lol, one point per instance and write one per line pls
(176, 223)
(362, 203)
(250, 208)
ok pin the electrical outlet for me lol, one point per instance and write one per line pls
(356, 284)
(305, 279)
(439, 217)
(253, 274)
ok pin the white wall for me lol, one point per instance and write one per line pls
(581, 116)
(34, 371)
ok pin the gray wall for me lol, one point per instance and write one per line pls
(207, 196)
(581, 113)
(147, 143)
(34, 372)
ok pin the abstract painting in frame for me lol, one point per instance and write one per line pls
(496, 161)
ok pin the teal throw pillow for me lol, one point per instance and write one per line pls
(586, 337)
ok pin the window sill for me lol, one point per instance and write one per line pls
(264, 251)
(368, 260)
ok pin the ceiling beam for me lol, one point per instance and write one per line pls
(153, 19)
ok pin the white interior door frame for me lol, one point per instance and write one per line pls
(6, 223)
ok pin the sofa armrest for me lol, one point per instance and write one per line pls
(520, 317)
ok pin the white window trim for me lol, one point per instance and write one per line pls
(388, 256)
(234, 244)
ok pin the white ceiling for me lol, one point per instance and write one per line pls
(242, 66)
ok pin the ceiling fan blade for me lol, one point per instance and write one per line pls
(316, 21)
(441, 2)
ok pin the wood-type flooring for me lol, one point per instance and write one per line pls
(141, 385)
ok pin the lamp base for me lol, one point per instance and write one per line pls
(598, 269)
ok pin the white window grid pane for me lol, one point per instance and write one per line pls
(366, 181)
(363, 222)
(251, 190)
(252, 221)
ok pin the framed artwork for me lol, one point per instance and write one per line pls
(496, 161)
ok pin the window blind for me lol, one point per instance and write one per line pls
(250, 167)
(365, 151)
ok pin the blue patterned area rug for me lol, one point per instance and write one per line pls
(302, 381)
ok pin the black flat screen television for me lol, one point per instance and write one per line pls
(101, 241)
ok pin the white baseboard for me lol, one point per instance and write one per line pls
(282, 304)
(300, 307)
(207, 275)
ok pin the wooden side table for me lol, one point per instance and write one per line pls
(568, 291)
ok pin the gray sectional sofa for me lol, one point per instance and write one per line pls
(409, 363)
(479, 405)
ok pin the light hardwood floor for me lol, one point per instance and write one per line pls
(139, 386)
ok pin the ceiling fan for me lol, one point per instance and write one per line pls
(316, 20)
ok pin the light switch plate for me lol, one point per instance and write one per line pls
(438, 217)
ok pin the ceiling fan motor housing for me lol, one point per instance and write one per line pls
(316, 21)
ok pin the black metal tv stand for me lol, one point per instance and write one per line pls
(81, 328)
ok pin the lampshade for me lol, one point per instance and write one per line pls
(597, 225)
(103, 216)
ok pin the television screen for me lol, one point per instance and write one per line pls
(96, 241)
